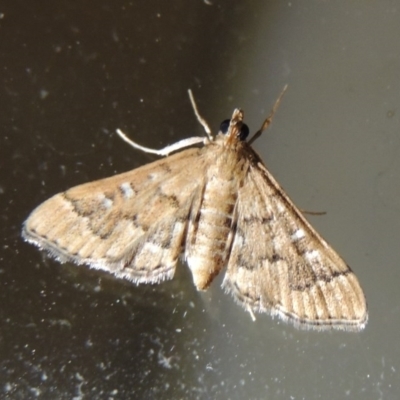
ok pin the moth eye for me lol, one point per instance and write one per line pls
(244, 132)
(224, 126)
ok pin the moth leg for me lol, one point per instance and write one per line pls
(313, 212)
(250, 311)
(166, 150)
(202, 121)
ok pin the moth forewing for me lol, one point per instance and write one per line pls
(218, 206)
(113, 223)
(293, 273)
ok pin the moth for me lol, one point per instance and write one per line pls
(215, 203)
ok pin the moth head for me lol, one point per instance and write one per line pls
(234, 127)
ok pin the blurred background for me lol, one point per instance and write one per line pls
(72, 72)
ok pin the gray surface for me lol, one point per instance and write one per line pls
(72, 72)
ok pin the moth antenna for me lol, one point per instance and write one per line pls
(268, 120)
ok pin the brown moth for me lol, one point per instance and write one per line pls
(219, 207)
